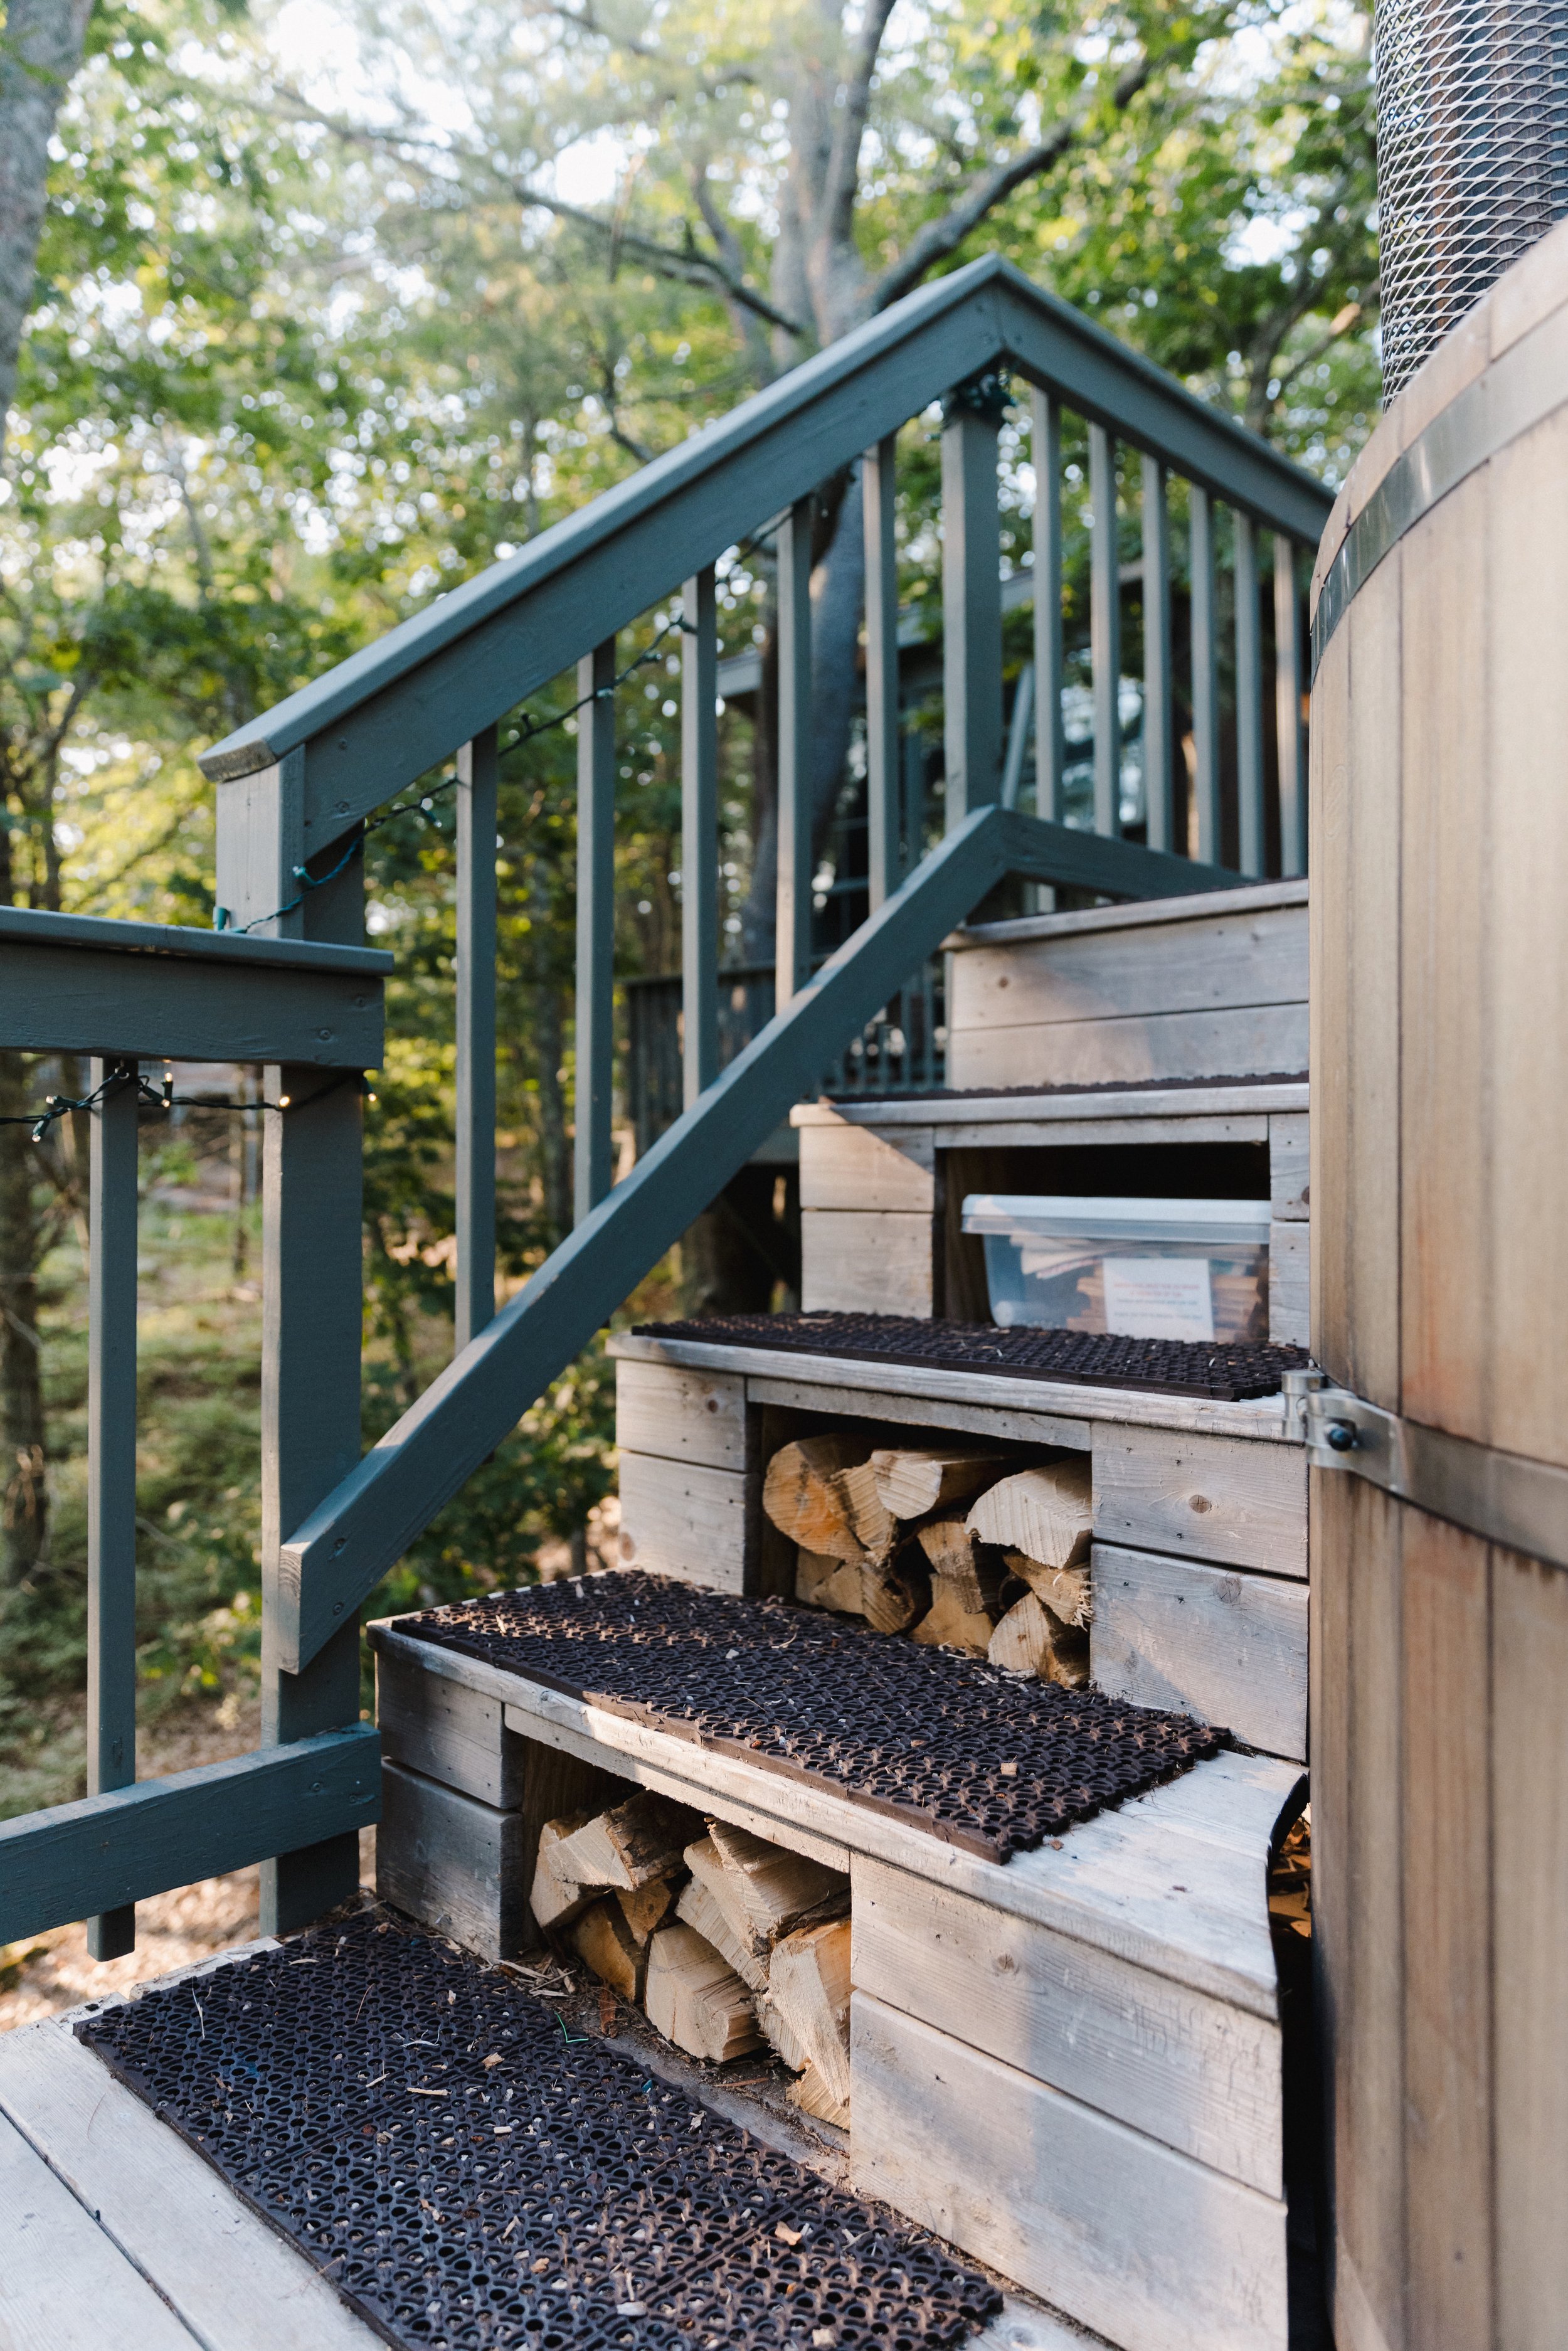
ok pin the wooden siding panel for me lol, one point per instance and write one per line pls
(1289, 1144)
(856, 1167)
(874, 1262)
(686, 1520)
(1290, 1284)
(1216, 961)
(1270, 1038)
(681, 1414)
(432, 1724)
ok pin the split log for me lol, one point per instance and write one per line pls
(768, 1890)
(634, 1842)
(646, 1907)
(603, 1938)
(895, 1593)
(556, 1896)
(777, 2031)
(812, 2095)
(1064, 1589)
(808, 1985)
(1045, 1514)
(874, 1524)
(917, 1480)
(695, 1998)
(700, 1908)
(1030, 1640)
(804, 1498)
(953, 1555)
(949, 1624)
(823, 1581)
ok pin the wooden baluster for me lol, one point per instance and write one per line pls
(793, 942)
(1205, 689)
(593, 1171)
(1288, 708)
(1019, 724)
(699, 834)
(915, 765)
(1105, 629)
(877, 482)
(1046, 446)
(112, 1462)
(474, 1304)
(971, 599)
(1249, 699)
(1156, 656)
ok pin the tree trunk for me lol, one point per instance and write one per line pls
(550, 1044)
(40, 50)
(23, 1515)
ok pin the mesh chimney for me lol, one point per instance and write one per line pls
(1472, 156)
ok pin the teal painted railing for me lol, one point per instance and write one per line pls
(295, 791)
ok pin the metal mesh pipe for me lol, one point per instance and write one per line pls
(1472, 156)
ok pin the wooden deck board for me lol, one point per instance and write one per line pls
(223, 2279)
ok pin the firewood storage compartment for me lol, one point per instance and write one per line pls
(1068, 2063)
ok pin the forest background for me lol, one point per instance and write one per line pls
(309, 312)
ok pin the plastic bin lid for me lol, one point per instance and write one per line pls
(1068, 1216)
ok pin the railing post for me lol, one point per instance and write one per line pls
(792, 922)
(1157, 655)
(1248, 701)
(877, 492)
(972, 596)
(111, 1461)
(475, 1171)
(593, 1171)
(699, 833)
(1105, 629)
(1046, 449)
(1205, 686)
(1288, 708)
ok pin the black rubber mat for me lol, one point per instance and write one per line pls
(986, 1760)
(468, 2173)
(1226, 1372)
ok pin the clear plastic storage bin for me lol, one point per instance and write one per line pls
(1143, 1269)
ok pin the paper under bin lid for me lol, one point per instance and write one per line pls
(1064, 1216)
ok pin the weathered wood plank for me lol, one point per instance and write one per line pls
(845, 1166)
(681, 1414)
(1194, 2073)
(923, 1412)
(1226, 1646)
(65, 2285)
(447, 1732)
(1290, 1283)
(1208, 1498)
(452, 1863)
(879, 1263)
(1155, 2251)
(1529, 1789)
(1224, 1043)
(1289, 1167)
(1134, 1408)
(1246, 1099)
(1217, 959)
(1033, 1134)
(684, 1519)
(234, 2282)
(1447, 1853)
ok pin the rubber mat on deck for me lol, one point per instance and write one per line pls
(1222, 1371)
(991, 1762)
(469, 2174)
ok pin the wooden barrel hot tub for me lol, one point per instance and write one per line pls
(1440, 1069)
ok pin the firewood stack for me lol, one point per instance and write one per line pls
(725, 1942)
(945, 1544)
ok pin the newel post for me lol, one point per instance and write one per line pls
(312, 1287)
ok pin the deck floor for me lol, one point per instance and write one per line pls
(115, 2235)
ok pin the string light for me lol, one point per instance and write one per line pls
(164, 1097)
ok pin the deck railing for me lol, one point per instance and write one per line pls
(296, 788)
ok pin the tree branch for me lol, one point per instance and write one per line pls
(843, 176)
(938, 238)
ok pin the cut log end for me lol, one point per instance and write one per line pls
(1046, 1513)
(947, 1623)
(695, 1998)
(915, 1480)
(1030, 1640)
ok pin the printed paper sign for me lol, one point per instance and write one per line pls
(1158, 1297)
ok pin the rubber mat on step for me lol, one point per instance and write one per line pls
(469, 2174)
(1225, 1372)
(991, 1762)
